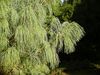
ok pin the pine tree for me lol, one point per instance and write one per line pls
(31, 35)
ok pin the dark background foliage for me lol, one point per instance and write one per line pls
(87, 14)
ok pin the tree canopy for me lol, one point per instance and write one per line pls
(31, 34)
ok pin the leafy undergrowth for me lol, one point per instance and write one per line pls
(59, 71)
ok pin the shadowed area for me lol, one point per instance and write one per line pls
(75, 66)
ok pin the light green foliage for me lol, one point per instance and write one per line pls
(30, 36)
(56, 4)
(4, 32)
(9, 59)
(72, 32)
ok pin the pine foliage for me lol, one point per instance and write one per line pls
(31, 36)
